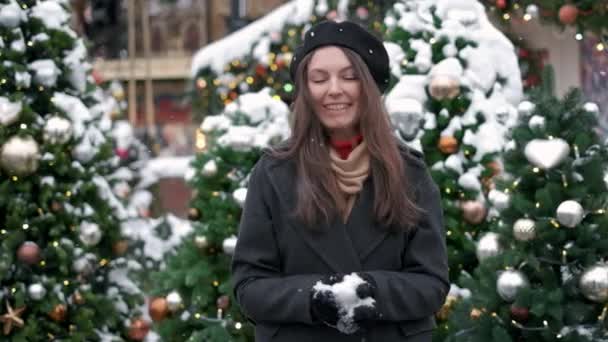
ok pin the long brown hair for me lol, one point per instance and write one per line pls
(318, 194)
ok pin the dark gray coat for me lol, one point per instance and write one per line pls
(277, 260)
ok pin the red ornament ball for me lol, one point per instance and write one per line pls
(520, 314)
(223, 302)
(138, 329)
(502, 4)
(568, 14)
(29, 253)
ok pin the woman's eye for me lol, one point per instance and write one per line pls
(350, 77)
(317, 81)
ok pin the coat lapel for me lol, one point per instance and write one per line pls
(331, 242)
(366, 231)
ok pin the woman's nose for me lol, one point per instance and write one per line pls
(335, 87)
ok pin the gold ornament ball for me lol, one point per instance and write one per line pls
(568, 14)
(445, 310)
(448, 144)
(120, 247)
(475, 314)
(119, 94)
(59, 313)
(495, 167)
(78, 298)
(158, 309)
(194, 214)
(138, 329)
(474, 212)
(223, 302)
(444, 87)
(115, 114)
(201, 241)
(29, 253)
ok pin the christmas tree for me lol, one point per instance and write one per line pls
(193, 294)
(456, 106)
(63, 274)
(543, 274)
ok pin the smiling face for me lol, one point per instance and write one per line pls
(334, 89)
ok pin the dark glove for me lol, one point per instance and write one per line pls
(345, 302)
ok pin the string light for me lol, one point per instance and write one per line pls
(25, 226)
(506, 16)
(600, 46)
(15, 178)
(23, 126)
(66, 282)
(249, 80)
(201, 139)
(527, 17)
(578, 36)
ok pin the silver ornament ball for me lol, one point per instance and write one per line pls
(532, 10)
(594, 283)
(524, 229)
(90, 234)
(57, 130)
(174, 301)
(209, 169)
(488, 246)
(526, 108)
(592, 108)
(20, 155)
(229, 245)
(509, 283)
(499, 199)
(9, 111)
(570, 213)
(36, 291)
(239, 195)
(85, 265)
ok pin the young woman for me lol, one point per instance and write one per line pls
(341, 237)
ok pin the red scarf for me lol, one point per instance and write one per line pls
(345, 147)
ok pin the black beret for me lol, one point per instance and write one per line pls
(349, 35)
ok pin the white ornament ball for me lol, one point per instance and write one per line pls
(239, 195)
(509, 282)
(526, 108)
(57, 130)
(174, 301)
(36, 291)
(488, 246)
(594, 283)
(90, 234)
(524, 229)
(591, 107)
(210, 168)
(9, 111)
(570, 213)
(20, 155)
(229, 245)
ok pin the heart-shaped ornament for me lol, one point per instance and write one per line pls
(546, 154)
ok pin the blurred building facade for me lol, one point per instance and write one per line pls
(160, 67)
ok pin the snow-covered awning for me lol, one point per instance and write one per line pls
(239, 43)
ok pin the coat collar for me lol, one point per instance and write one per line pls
(331, 242)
